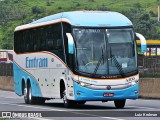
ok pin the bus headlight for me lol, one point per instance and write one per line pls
(133, 83)
(82, 83)
(85, 84)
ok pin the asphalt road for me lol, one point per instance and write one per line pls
(12, 105)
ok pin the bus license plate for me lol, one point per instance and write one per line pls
(108, 94)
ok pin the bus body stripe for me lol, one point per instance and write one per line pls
(29, 26)
(77, 75)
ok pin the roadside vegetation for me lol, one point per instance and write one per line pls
(143, 14)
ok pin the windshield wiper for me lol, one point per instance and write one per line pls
(98, 64)
(117, 64)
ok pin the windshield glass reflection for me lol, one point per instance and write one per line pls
(105, 51)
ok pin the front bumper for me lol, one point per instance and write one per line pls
(87, 94)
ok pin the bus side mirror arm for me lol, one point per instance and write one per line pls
(143, 42)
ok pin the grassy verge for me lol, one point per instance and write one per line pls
(2, 118)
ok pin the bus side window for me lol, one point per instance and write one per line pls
(34, 40)
(35, 47)
(50, 44)
(42, 39)
(27, 40)
(49, 37)
(17, 40)
(54, 40)
(57, 37)
(59, 44)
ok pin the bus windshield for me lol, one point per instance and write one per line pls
(105, 51)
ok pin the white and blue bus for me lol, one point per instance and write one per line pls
(77, 56)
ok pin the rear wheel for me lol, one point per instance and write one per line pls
(29, 99)
(26, 95)
(32, 99)
(119, 103)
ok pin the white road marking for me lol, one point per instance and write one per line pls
(142, 107)
(11, 97)
(31, 106)
(71, 110)
(40, 118)
(112, 118)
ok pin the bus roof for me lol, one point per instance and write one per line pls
(83, 18)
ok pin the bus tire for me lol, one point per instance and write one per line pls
(26, 97)
(119, 103)
(31, 99)
(67, 103)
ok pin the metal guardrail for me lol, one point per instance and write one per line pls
(6, 69)
(149, 66)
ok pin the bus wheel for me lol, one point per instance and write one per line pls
(29, 99)
(32, 100)
(26, 97)
(119, 103)
(67, 103)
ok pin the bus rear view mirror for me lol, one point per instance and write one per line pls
(70, 43)
(143, 42)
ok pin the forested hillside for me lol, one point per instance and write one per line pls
(143, 14)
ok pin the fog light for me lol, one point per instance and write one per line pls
(136, 92)
(78, 93)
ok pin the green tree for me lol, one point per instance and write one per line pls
(143, 23)
(37, 10)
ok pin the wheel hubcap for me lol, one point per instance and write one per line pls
(30, 94)
(25, 92)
